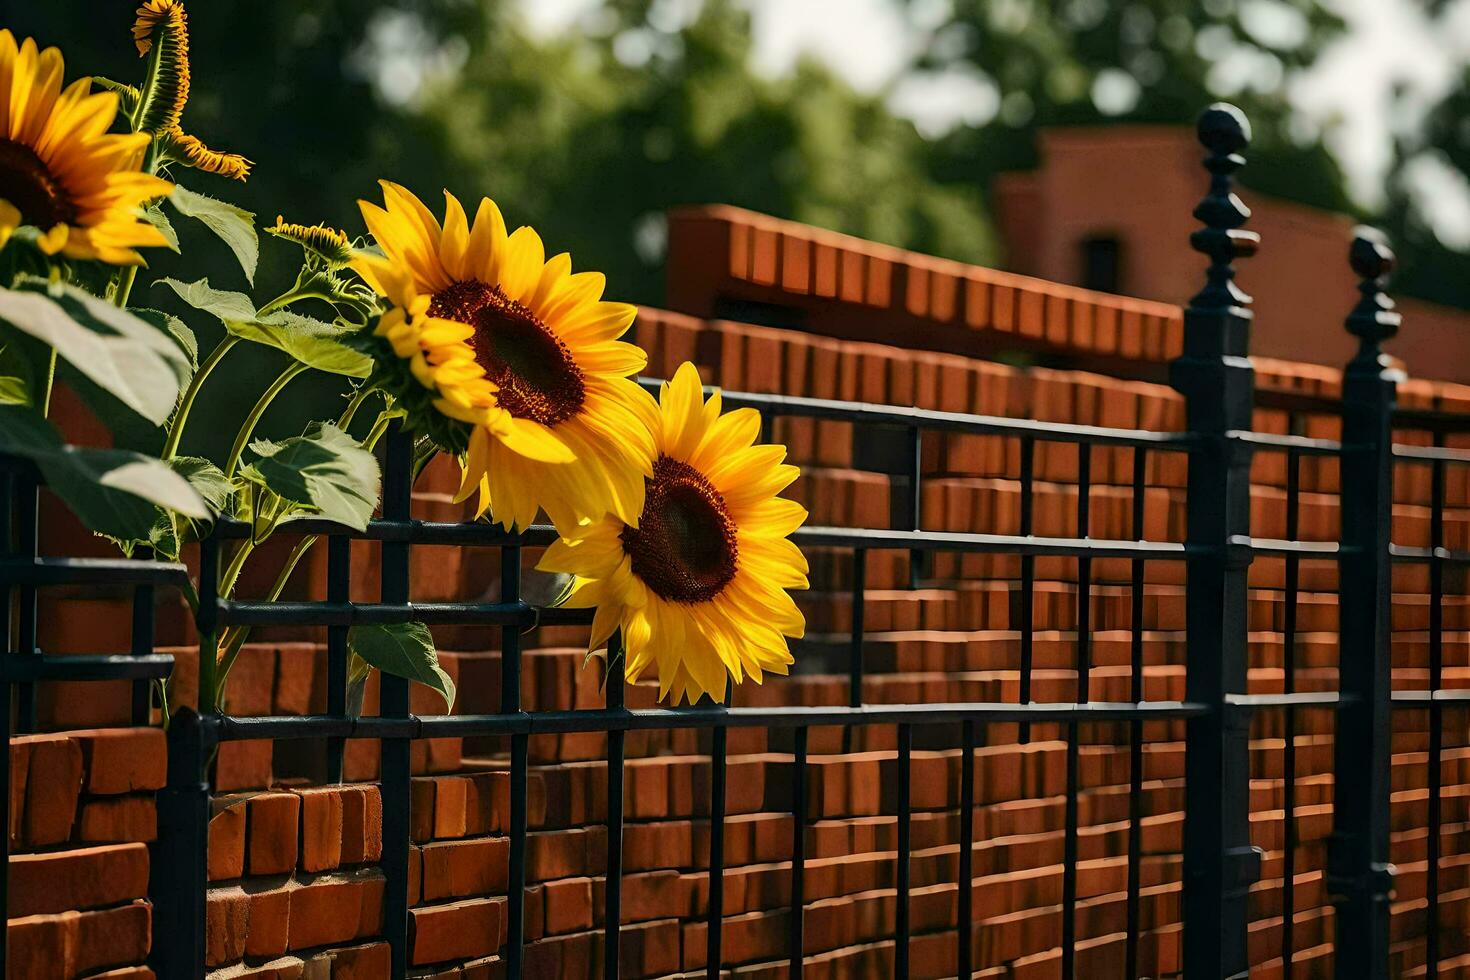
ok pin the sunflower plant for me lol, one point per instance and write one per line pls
(668, 512)
(90, 180)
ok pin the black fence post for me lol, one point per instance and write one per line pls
(1216, 379)
(393, 702)
(180, 886)
(1359, 875)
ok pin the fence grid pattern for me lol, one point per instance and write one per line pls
(1221, 864)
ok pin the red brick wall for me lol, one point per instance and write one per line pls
(295, 891)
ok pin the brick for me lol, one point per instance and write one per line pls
(123, 760)
(456, 869)
(362, 824)
(121, 818)
(51, 803)
(296, 680)
(335, 910)
(226, 921)
(227, 839)
(42, 945)
(20, 763)
(370, 962)
(458, 931)
(568, 905)
(270, 921)
(321, 828)
(272, 835)
(243, 765)
(86, 878)
(113, 937)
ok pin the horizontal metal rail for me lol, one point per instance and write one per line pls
(1431, 454)
(22, 669)
(44, 572)
(1301, 445)
(231, 729)
(1448, 556)
(938, 421)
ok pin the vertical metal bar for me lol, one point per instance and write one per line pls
(612, 923)
(1027, 611)
(206, 621)
(917, 558)
(1082, 670)
(6, 692)
(394, 703)
(27, 500)
(1359, 875)
(1288, 680)
(1436, 714)
(1215, 377)
(178, 871)
(855, 642)
(1135, 728)
(855, 667)
(339, 589)
(141, 643)
(904, 854)
(510, 702)
(966, 878)
(715, 918)
(796, 940)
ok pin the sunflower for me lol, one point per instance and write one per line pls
(698, 585)
(162, 28)
(518, 354)
(61, 171)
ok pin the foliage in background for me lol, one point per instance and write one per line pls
(629, 113)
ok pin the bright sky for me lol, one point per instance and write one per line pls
(869, 42)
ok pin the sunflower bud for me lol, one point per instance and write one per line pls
(162, 27)
(191, 151)
(328, 244)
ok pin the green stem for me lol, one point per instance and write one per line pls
(235, 638)
(376, 432)
(190, 596)
(358, 397)
(45, 399)
(251, 420)
(176, 428)
(124, 287)
(291, 296)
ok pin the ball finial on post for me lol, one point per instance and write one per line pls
(1224, 131)
(1371, 255)
(1374, 319)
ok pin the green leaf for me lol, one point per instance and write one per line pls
(235, 226)
(13, 391)
(113, 491)
(325, 469)
(178, 330)
(403, 650)
(171, 530)
(125, 356)
(155, 216)
(223, 303)
(23, 362)
(315, 343)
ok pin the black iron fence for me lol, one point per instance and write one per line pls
(1220, 863)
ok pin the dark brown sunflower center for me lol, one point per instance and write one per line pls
(684, 546)
(533, 368)
(28, 185)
